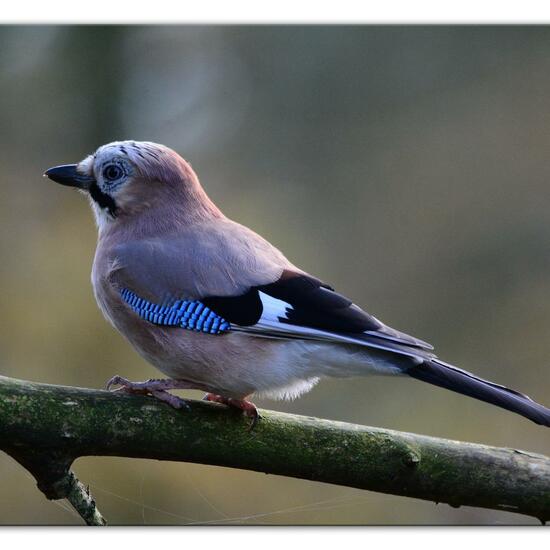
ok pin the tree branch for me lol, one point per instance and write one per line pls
(46, 428)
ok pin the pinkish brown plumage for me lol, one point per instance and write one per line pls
(165, 242)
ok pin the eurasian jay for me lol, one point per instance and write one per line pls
(216, 307)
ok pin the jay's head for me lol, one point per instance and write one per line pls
(127, 178)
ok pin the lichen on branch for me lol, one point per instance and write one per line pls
(45, 428)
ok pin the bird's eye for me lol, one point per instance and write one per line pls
(112, 172)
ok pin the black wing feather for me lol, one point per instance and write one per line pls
(244, 310)
(317, 305)
(311, 303)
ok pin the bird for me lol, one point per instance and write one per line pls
(216, 307)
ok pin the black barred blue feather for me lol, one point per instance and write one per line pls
(188, 314)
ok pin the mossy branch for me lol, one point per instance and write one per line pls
(46, 428)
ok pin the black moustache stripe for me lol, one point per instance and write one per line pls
(102, 199)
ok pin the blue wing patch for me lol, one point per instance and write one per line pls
(188, 314)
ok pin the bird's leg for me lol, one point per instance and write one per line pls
(156, 387)
(248, 408)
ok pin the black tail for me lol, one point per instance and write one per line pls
(441, 374)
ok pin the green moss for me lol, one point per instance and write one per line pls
(47, 427)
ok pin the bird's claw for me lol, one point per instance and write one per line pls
(248, 408)
(255, 416)
(117, 380)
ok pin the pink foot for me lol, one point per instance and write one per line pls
(248, 408)
(155, 387)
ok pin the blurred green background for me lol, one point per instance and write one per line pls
(407, 166)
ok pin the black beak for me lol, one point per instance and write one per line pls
(67, 175)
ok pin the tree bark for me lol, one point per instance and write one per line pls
(45, 428)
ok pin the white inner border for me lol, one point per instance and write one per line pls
(281, 11)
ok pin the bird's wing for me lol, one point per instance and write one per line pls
(251, 285)
(301, 306)
(216, 259)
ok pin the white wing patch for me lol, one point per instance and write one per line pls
(272, 325)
